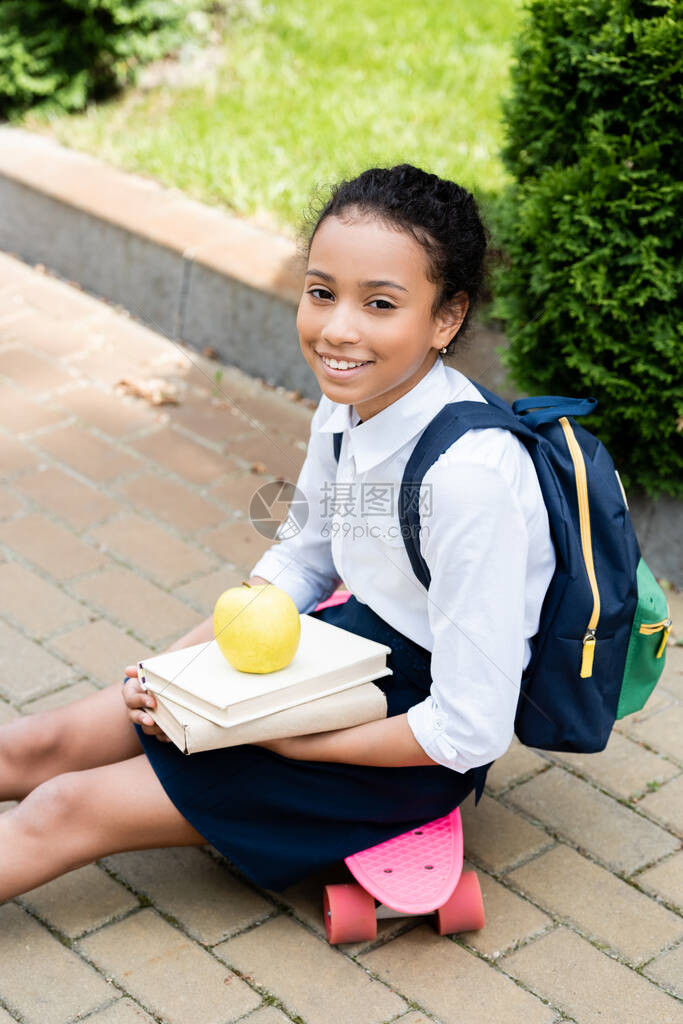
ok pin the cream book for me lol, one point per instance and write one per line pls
(329, 659)
(191, 733)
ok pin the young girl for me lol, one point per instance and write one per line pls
(395, 265)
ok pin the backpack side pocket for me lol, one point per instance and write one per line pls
(646, 652)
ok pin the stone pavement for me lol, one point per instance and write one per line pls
(120, 523)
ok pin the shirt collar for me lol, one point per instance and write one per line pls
(383, 434)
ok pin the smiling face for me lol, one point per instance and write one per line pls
(367, 299)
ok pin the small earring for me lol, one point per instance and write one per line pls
(444, 350)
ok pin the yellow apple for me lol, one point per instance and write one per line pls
(257, 628)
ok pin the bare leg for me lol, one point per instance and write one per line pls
(87, 733)
(75, 818)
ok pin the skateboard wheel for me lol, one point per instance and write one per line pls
(349, 913)
(463, 911)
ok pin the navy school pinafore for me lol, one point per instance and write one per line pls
(278, 819)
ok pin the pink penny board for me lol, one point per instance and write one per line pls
(338, 597)
(416, 871)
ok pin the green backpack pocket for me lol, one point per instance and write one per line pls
(646, 652)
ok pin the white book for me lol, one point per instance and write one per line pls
(191, 733)
(329, 659)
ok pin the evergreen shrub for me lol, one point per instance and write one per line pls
(591, 228)
(61, 53)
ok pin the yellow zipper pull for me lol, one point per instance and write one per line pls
(588, 654)
(665, 637)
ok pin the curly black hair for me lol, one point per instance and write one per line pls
(441, 216)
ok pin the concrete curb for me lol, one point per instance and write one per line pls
(208, 278)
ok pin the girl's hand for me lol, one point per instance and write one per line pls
(137, 700)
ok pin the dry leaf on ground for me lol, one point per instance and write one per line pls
(154, 390)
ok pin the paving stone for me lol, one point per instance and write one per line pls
(197, 891)
(606, 908)
(114, 414)
(623, 767)
(657, 701)
(14, 271)
(101, 650)
(94, 458)
(153, 961)
(151, 612)
(57, 298)
(453, 984)
(239, 542)
(150, 548)
(104, 365)
(80, 900)
(121, 334)
(22, 415)
(60, 698)
(60, 494)
(209, 417)
(586, 984)
(206, 590)
(517, 763)
(50, 547)
(308, 976)
(10, 504)
(15, 456)
(237, 491)
(124, 1011)
(672, 676)
(34, 604)
(7, 712)
(28, 670)
(665, 879)
(282, 458)
(414, 1017)
(39, 978)
(496, 837)
(189, 459)
(5, 1017)
(42, 332)
(277, 414)
(663, 732)
(615, 834)
(668, 971)
(267, 1015)
(509, 919)
(171, 502)
(33, 372)
(666, 804)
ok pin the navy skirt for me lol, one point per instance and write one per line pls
(278, 819)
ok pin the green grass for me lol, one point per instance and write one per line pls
(313, 91)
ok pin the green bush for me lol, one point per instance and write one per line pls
(591, 228)
(60, 53)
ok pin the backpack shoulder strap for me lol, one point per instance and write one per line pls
(454, 420)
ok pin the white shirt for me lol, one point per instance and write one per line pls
(484, 535)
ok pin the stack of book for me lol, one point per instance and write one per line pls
(202, 702)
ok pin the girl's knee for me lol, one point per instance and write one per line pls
(52, 805)
(31, 741)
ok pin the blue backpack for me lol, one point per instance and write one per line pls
(601, 642)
